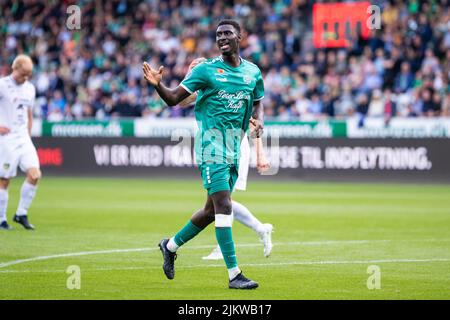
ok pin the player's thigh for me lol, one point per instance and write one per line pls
(29, 161)
(209, 206)
(9, 159)
(222, 202)
(215, 177)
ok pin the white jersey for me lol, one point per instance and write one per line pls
(16, 147)
(15, 102)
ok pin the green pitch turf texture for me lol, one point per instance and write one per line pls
(326, 236)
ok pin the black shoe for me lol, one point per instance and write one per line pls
(5, 226)
(23, 220)
(169, 259)
(241, 282)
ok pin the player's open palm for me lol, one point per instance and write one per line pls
(152, 76)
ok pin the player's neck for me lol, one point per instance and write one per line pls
(234, 60)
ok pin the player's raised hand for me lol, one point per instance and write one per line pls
(4, 130)
(152, 76)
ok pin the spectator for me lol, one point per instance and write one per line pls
(404, 80)
(96, 71)
(362, 107)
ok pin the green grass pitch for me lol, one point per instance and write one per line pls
(326, 237)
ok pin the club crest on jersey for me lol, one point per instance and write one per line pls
(247, 79)
(6, 166)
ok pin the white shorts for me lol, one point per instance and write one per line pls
(244, 163)
(13, 154)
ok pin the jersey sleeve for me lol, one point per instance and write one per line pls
(258, 92)
(197, 79)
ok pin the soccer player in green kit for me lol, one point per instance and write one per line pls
(230, 93)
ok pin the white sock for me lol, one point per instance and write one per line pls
(244, 216)
(233, 272)
(3, 204)
(171, 245)
(27, 194)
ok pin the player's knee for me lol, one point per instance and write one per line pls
(209, 209)
(224, 206)
(34, 175)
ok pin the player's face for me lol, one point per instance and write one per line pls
(227, 39)
(23, 73)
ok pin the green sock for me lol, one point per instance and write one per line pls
(225, 240)
(188, 232)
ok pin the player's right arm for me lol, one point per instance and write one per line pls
(3, 129)
(191, 99)
(171, 96)
(197, 79)
(188, 101)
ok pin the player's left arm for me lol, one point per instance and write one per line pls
(257, 118)
(30, 111)
(30, 120)
(262, 164)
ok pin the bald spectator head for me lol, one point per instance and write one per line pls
(22, 68)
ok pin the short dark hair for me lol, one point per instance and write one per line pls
(234, 23)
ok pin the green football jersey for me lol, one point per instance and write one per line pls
(224, 104)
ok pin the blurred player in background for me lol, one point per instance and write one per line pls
(17, 96)
(240, 212)
(231, 93)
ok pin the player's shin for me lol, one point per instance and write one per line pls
(225, 239)
(27, 194)
(188, 232)
(3, 204)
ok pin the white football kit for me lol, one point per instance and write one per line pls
(244, 163)
(16, 147)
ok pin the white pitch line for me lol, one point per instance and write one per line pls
(85, 253)
(74, 254)
(290, 263)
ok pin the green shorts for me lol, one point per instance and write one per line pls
(218, 177)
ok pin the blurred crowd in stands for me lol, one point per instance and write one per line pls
(403, 69)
